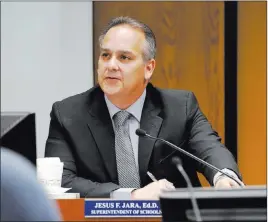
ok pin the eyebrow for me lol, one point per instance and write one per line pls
(120, 51)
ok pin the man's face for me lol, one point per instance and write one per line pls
(121, 68)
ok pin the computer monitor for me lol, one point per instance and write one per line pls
(237, 204)
(18, 133)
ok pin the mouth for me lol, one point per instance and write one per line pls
(112, 78)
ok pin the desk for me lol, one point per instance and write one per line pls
(73, 210)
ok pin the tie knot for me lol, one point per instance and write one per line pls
(121, 117)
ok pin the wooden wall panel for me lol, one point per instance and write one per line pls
(252, 100)
(190, 47)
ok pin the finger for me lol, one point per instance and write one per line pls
(223, 183)
(163, 181)
(168, 186)
(234, 184)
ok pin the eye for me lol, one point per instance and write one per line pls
(105, 55)
(123, 57)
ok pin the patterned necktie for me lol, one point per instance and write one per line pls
(128, 174)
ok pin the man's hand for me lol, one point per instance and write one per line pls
(226, 182)
(152, 190)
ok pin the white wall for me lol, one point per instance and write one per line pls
(46, 55)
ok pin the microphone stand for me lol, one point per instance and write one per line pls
(143, 133)
(178, 163)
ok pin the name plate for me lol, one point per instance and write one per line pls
(122, 208)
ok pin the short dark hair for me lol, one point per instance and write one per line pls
(150, 41)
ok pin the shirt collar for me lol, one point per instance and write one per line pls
(135, 109)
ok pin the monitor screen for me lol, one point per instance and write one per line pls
(237, 204)
(18, 133)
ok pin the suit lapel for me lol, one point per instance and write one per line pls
(100, 125)
(151, 123)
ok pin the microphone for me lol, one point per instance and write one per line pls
(178, 163)
(142, 133)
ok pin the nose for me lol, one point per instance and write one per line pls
(112, 64)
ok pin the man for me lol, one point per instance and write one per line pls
(22, 197)
(93, 133)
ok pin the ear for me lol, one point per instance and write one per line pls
(149, 69)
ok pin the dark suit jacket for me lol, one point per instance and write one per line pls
(81, 134)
